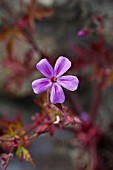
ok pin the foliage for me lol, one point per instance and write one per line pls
(93, 64)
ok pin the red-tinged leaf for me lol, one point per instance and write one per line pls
(9, 32)
(109, 56)
(98, 46)
(43, 13)
(4, 34)
(14, 129)
(31, 22)
(28, 57)
(23, 153)
(10, 47)
(109, 79)
(36, 13)
(97, 18)
(73, 120)
(21, 23)
(13, 64)
(52, 130)
(42, 129)
(32, 5)
(3, 158)
(22, 37)
(13, 32)
(14, 82)
(31, 14)
(82, 51)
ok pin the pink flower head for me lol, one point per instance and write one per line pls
(84, 32)
(54, 79)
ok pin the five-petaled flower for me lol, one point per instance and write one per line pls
(54, 79)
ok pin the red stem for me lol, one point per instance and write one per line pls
(97, 93)
(9, 157)
(76, 102)
(97, 162)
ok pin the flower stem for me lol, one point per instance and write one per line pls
(9, 157)
(48, 96)
(76, 102)
(97, 93)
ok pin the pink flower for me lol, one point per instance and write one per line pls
(54, 79)
(84, 32)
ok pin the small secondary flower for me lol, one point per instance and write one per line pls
(54, 79)
(84, 32)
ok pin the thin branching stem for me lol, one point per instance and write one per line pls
(96, 99)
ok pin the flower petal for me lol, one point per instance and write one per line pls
(61, 66)
(69, 82)
(45, 68)
(57, 94)
(41, 85)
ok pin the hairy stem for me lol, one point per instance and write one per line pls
(9, 157)
(76, 102)
(97, 93)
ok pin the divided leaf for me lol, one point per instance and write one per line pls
(23, 153)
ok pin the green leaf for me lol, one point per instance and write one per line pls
(23, 153)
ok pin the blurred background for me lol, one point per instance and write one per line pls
(25, 38)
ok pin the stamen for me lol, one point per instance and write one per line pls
(53, 79)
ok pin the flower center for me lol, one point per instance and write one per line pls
(53, 79)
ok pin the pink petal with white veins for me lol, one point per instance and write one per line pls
(61, 66)
(69, 82)
(45, 68)
(41, 85)
(57, 94)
